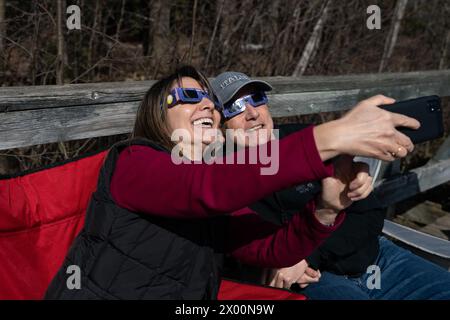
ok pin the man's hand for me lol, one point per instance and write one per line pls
(351, 182)
(299, 273)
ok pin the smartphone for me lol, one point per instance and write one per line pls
(427, 110)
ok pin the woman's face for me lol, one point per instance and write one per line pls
(194, 118)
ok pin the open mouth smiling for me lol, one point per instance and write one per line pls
(203, 122)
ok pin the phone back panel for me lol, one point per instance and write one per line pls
(427, 110)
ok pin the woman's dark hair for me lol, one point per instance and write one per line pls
(151, 118)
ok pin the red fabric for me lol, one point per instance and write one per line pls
(231, 290)
(40, 215)
(257, 242)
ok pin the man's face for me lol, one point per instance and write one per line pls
(255, 123)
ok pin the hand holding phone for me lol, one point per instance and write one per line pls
(427, 110)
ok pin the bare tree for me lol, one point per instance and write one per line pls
(228, 18)
(60, 36)
(313, 42)
(191, 45)
(2, 24)
(35, 43)
(219, 10)
(443, 61)
(118, 30)
(159, 27)
(119, 24)
(391, 39)
(264, 37)
(97, 17)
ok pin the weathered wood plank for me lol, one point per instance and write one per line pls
(439, 227)
(61, 113)
(355, 81)
(20, 129)
(424, 213)
(398, 188)
(430, 176)
(416, 239)
(31, 127)
(398, 85)
(46, 97)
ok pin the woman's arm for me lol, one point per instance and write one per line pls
(261, 243)
(146, 180)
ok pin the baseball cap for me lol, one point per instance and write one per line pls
(227, 84)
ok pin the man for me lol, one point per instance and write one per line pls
(345, 257)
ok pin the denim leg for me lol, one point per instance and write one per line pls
(406, 276)
(335, 287)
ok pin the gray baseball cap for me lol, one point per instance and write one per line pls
(227, 84)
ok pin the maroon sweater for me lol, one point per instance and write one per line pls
(146, 180)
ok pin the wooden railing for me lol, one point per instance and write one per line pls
(45, 114)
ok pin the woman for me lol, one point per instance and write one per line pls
(157, 230)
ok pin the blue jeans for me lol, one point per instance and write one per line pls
(403, 276)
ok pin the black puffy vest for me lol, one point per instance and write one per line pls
(130, 255)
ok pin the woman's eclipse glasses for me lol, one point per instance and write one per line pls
(191, 96)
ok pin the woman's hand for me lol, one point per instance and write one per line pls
(299, 273)
(351, 182)
(367, 131)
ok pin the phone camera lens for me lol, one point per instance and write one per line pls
(433, 105)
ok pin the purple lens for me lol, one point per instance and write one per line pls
(258, 98)
(191, 93)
